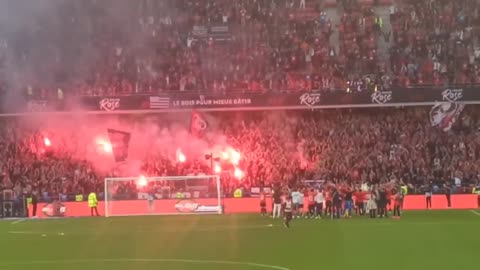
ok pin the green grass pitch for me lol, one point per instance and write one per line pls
(420, 240)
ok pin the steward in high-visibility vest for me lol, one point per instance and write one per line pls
(403, 192)
(238, 193)
(32, 200)
(92, 203)
(379, 22)
(476, 190)
(79, 198)
(29, 201)
(179, 195)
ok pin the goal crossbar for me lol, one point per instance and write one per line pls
(162, 178)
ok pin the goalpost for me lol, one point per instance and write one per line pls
(169, 195)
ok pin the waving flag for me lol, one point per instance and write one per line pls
(119, 141)
(444, 115)
(198, 124)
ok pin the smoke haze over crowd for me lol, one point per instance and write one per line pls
(50, 44)
(83, 137)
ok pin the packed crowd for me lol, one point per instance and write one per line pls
(340, 146)
(435, 42)
(122, 47)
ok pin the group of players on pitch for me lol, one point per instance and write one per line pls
(332, 202)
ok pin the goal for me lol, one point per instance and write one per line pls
(169, 195)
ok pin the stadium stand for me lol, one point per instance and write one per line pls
(354, 147)
(248, 46)
(215, 46)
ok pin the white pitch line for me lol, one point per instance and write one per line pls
(163, 230)
(256, 265)
(18, 221)
(217, 228)
(252, 227)
(475, 212)
(18, 232)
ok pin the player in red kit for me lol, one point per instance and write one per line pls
(397, 204)
(328, 203)
(360, 197)
(263, 204)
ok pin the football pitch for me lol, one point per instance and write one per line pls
(420, 240)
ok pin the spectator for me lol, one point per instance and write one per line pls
(356, 147)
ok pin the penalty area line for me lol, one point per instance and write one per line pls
(48, 262)
(18, 221)
(475, 212)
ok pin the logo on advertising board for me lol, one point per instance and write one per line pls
(452, 95)
(186, 206)
(191, 206)
(55, 209)
(109, 104)
(310, 99)
(381, 97)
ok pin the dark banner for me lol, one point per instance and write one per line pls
(269, 100)
(395, 97)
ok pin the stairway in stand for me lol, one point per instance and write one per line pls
(308, 13)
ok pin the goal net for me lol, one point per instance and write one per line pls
(169, 195)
